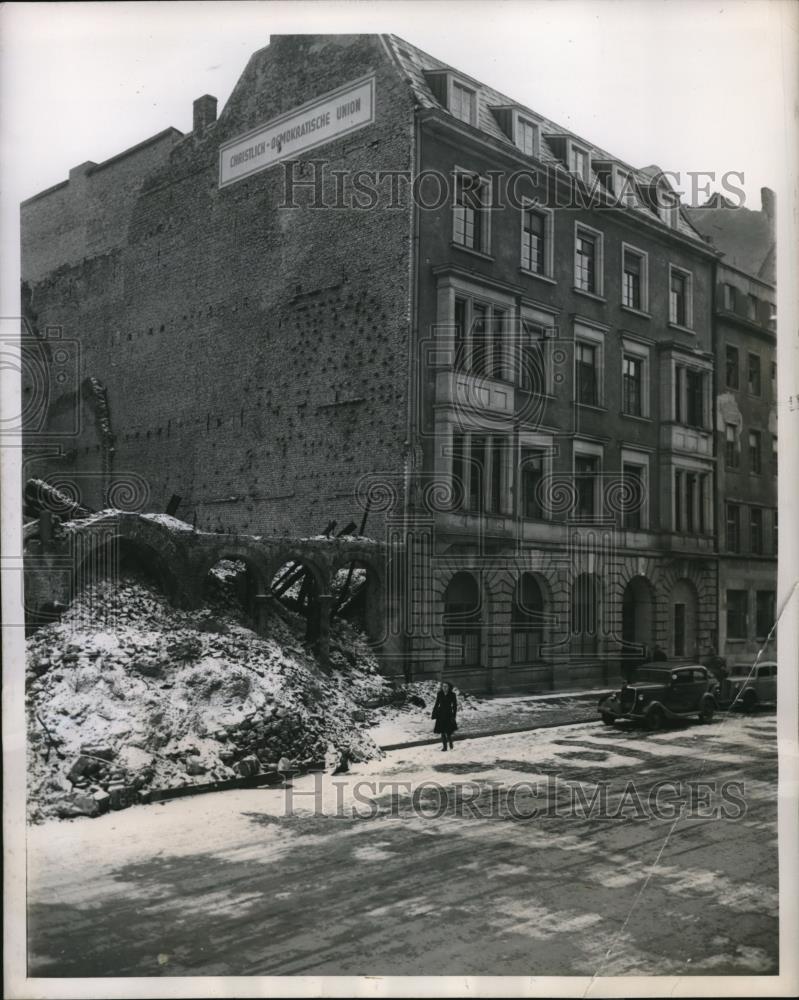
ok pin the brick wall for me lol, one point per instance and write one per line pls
(254, 357)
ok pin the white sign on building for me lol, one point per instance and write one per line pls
(327, 117)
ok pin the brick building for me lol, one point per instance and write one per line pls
(495, 332)
(746, 421)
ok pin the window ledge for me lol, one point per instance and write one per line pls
(636, 312)
(470, 250)
(635, 416)
(589, 295)
(681, 328)
(592, 406)
(538, 277)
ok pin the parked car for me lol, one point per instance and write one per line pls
(661, 691)
(747, 686)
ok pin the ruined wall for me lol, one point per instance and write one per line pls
(253, 356)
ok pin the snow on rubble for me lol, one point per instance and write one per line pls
(127, 693)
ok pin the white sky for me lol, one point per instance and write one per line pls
(688, 85)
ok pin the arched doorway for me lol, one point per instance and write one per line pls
(637, 617)
(462, 622)
(585, 615)
(683, 606)
(527, 620)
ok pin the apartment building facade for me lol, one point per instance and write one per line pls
(511, 357)
(746, 424)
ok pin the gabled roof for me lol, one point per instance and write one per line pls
(415, 63)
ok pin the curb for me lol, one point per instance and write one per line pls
(489, 732)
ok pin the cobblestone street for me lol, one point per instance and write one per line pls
(230, 884)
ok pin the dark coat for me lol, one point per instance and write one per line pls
(445, 712)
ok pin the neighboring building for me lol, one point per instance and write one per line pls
(521, 386)
(746, 422)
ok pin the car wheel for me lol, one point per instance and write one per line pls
(655, 719)
(707, 711)
(608, 720)
(749, 700)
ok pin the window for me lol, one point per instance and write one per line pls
(497, 366)
(463, 103)
(691, 501)
(527, 620)
(756, 530)
(633, 496)
(773, 380)
(764, 612)
(752, 306)
(461, 359)
(731, 454)
(695, 398)
(632, 385)
(679, 629)
(470, 212)
(729, 297)
(733, 527)
(731, 367)
(624, 189)
(495, 484)
(459, 495)
(462, 621)
(533, 371)
(753, 376)
(679, 298)
(578, 161)
(668, 207)
(586, 469)
(585, 615)
(588, 260)
(634, 279)
(755, 455)
(477, 472)
(535, 238)
(532, 475)
(586, 374)
(737, 614)
(478, 354)
(774, 531)
(774, 454)
(527, 137)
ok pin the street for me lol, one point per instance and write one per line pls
(409, 880)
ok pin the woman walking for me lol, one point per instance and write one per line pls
(445, 713)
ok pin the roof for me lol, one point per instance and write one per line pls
(415, 63)
(745, 237)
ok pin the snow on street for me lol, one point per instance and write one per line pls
(350, 878)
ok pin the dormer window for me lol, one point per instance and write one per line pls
(578, 161)
(526, 137)
(624, 189)
(668, 206)
(463, 102)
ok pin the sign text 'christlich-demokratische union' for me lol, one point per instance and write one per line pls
(325, 118)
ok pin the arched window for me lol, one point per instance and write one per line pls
(462, 621)
(585, 615)
(527, 620)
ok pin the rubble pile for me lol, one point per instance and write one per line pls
(127, 694)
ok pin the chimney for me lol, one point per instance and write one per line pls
(767, 203)
(204, 112)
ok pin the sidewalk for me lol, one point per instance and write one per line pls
(492, 716)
